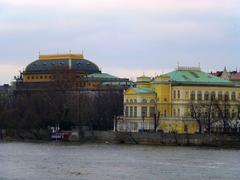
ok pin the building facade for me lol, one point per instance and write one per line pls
(233, 76)
(66, 71)
(166, 103)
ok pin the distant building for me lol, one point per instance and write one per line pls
(5, 90)
(166, 102)
(69, 71)
(233, 76)
(5, 93)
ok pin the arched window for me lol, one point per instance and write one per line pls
(226, 96)
(233, 96)
(193, 95)
(213, 95)
(220, 96)
(199, 95)
(131, 101)
(144, 101)
(152, 101)
(206, 96)
(135, 101)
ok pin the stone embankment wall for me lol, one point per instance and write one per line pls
(131, 138)
(166, 139)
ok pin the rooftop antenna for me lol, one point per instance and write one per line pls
(199, 64)
(178, 64)
(70, 52)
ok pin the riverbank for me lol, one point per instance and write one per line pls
(147, 138)
(143, 138)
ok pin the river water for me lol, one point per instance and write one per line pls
(20, 161)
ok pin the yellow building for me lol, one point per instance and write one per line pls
(165, 103)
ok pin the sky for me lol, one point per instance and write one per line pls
(126, 38)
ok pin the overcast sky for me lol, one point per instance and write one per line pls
(124, 37)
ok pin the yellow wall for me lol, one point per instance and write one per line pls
(165, 101)
(37, 78)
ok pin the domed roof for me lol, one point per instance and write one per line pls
(47, 63)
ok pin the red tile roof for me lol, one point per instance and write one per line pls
(236, 76)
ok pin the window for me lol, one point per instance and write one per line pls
(206, 96)
(135, 111)
(126, 111)
(192, 112)
(165, 113)
(127, 101)
(131, 101)
(193, 95)
(233, 96)
(226, 96)
(220, 96)
(144, 101)
(213, 115)
(144, 111)
(233, 114)
(213, 95)
(135, 101)
(174, 112)
(152, 111)
(178, 112)
(227, 113)
(131, 111)
(152, 101)
(32, 77)
(199, 95)
(179, 94)
(41, 77)
(174, 94)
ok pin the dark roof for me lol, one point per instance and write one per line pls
(4, 87)
(77, 65)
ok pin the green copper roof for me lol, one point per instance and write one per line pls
(195, 77)
(144, 90)
(102, 76)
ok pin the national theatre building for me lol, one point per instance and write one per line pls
(66, 71)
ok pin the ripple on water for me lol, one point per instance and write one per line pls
(105, 161)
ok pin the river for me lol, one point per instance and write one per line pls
(42, 161)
